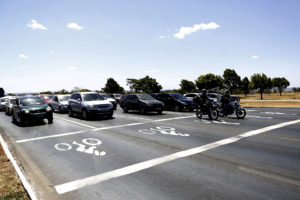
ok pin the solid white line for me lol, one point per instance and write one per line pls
(168, 119)
(25, 183)
(126, 116)
(119, 126)
(76, 122)
(75, 185)
(49, 136)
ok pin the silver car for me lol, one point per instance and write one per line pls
(9, 105)
(59, 103)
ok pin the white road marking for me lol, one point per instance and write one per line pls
(168, 119)
(22, 177)
(119, 126)
(176, 113)
(81, 183)
(74, 122)
(259, 117)
(126, 116)
(250, 110)
(271, 176)
(49, 136)
(276, 113)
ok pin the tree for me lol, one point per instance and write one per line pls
(84, 90)
(112, 86)
(245, 85)
(46, 92)
(63, 91)
(187, 86)
(146, 84)
(259, 82)
(231, 79)
(280, 83)
(209, 81)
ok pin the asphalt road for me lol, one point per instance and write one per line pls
(133, 156)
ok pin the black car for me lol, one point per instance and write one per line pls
(27, 109)
(142, 102)
(175, 101)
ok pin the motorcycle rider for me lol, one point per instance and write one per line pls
(201, 100)
(225, 100)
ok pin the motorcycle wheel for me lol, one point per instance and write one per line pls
(213, 114)
(240, 113)
(198, 113)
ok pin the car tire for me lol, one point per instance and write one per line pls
(70, 112)
(59, 109)
(159, 112)
(143, 111)
(14, 119)
(20, 121)
(110, 115)
(177, 108)
(125, 110)
(50, 119)
(85, 114)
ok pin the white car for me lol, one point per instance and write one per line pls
(3, 101)
(9, 105)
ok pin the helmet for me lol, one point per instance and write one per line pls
(226, 91)
(204, 91)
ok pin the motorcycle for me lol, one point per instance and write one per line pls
(234, 107)
(208, 107)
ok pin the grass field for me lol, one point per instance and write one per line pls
(10, 186)
(288, 99)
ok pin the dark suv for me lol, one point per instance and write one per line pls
(142, 102)
(89, 104)
(31, 108)
(175, 101)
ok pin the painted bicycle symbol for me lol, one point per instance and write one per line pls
(89, 146)
(162, 130)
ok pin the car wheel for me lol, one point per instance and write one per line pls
(110, 115)
(85, 115)
(50, 119)
(70, 112)
(143, 111)
(177, 108)
(14, 119)
(59, 109)
(159, 112)
(125, 110)
(20, 121)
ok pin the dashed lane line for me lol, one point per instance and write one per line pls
(95, 129)
(92, 180)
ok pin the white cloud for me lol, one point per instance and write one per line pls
(71, 68)
(183, 31)
(23, 67)
(161, 36)
(35, 25)
(150, 71)
(75, 26)
(51, 52)
(22, 56)
(254, 57)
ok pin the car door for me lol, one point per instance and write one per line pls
(54, 103)
(77, 102)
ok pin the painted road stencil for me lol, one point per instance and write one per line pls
(88, 145)
(162, 130)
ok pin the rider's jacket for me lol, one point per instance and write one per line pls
(225, 99)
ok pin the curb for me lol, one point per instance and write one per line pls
(25, 183)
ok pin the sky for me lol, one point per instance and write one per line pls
(62, 44)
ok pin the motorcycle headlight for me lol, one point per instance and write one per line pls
(48, 109)
(25, 111)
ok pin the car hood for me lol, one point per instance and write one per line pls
(152, 101)
(97, 102)
(186, 100)
(35, 107)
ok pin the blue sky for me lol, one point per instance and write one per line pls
(51, 45)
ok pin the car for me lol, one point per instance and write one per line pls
(59, 103)
(89, 104)
(176, 101)
(192, 95)
(111, 100)
(3, 101)
(46, 97)
(9, 105)
(116, 97)
(142, 102)
(31, 108)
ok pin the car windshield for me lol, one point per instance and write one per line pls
(92, 97)
(47, 97)
(178, 96)
(31, 101)
(145, 97)
(11, 100)
(63, 98)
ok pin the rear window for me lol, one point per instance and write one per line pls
(64, 98)
(92, 97)
(145, 97)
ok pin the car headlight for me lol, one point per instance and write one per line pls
(25, 111)
(48, 109)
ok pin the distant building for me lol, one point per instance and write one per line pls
(1, 92)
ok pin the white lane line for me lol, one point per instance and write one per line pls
(168, 119)
(126, 116)
(271, 176)
(94, 129)
(176, 113)
(49, 136)
(25, 183)
(76, 122)
(75, 185)
(259, 117)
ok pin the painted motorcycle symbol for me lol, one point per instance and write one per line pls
(89, 146)
(162, 130)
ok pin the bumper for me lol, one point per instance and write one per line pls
(36, 116)
(189, 107)
(101, 112)
(154, 108)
